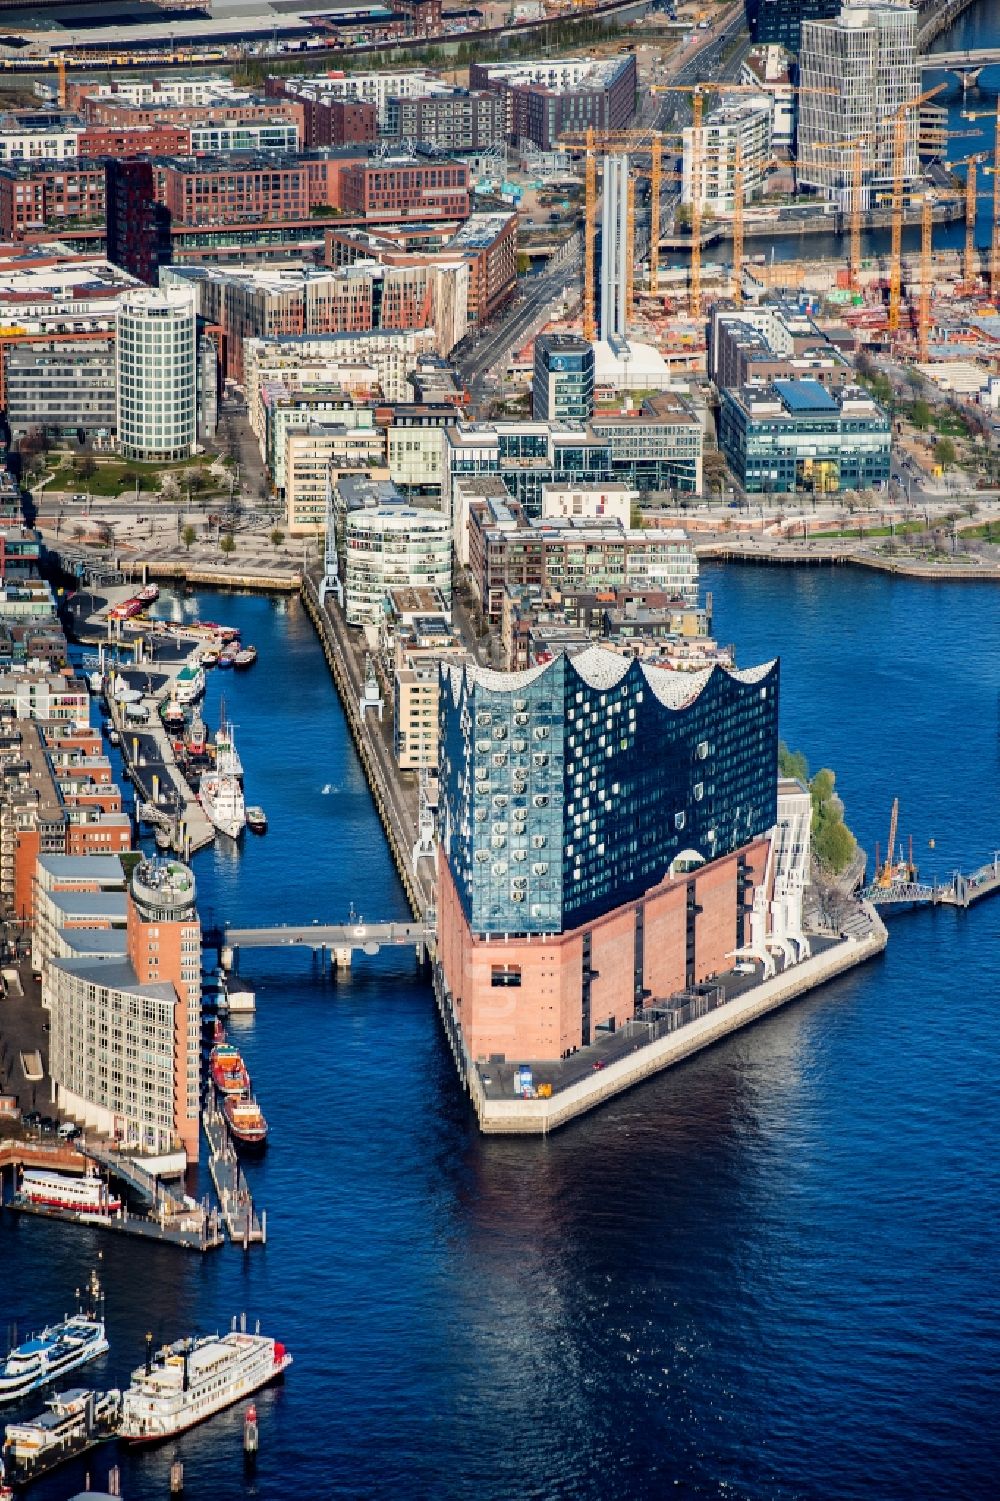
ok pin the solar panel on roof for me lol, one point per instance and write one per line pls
(805, 396)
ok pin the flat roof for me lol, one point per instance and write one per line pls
(805, 396)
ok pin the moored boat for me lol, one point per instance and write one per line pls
(190, 684)
(148, 594)
(54, 1352)
(72, 1422)
(245, 657)
(209, 658)
(227, 757)
(222, 799)
(88, 1195)
(191, 1380)
(229, 1072)
(197, 736)
(257, 819)
(246, 1121)
(226, 659)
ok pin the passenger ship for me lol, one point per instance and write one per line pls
(55, 1351)
(89, 1195)
(189, 1381)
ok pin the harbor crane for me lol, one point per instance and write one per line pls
(898, 169)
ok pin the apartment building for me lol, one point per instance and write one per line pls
(736, 143)
(63, 195)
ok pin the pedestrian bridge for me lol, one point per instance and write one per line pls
(368, 937)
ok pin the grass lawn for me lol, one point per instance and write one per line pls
(110, 478)
(903, 529)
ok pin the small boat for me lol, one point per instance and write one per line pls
(194, 1378)
(114, 737)
(226, 659)
(209, 658)
(246, 1121)
(257, 820)
(148, 594)
(197, 736)
(172, 714)
(245, 657)
(163, 840)
(251, 1435)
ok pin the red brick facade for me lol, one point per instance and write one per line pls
(542, 1016)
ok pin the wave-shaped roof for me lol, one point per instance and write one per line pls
(603, 669)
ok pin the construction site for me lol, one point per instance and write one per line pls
(654, 203)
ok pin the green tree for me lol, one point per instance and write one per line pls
(792, 763)
(921, 414)
(277, 537)
(85, 467)
(944, 452)
(834, 844)
(227, 544)
(188, 536)
(196, 482)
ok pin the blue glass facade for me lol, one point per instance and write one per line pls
(571, 788)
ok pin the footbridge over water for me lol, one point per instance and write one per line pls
(342, 940)
(960, 891)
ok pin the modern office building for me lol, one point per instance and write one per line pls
(604, 825)
(315, 456)
(157, 375)
(563, 383)
(781, 20)
(392, 547)
(126, 1033)
(797, 436)
(735, 138)
(656, 449)
(768, 68)
(856, 71)
(66, 388)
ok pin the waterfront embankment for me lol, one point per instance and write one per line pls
(788, 552)
(539, 1116)
(396, 802)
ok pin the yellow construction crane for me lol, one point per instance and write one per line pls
(610, 143)
(898, 168)
(926, 256)
(971, 164)
(995, 172)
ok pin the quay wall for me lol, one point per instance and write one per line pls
(538, 1117)
(816, 554)
(217, 577)
(335, 651)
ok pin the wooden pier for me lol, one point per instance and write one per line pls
(238, 1213)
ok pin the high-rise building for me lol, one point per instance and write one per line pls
(856, 72)
(563, 383)
(126, 1032)
(614, 249)
(604, 824)
(781, 20)
(138, 228)
(157, 375)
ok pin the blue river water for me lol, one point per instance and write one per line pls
(771, 1273)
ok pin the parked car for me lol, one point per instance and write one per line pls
(48, 1123)
(69, 1131)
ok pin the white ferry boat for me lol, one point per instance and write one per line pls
(55, 1351)
(89, 1195)
(222, 799)
(191, 1380)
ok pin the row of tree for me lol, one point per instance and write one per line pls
(833, 844)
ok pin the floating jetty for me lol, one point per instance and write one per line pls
(241, 1220)
(961, 891)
